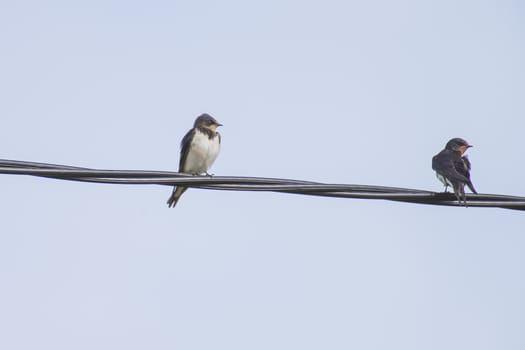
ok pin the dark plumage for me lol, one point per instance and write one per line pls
(453, 168)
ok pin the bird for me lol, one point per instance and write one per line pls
(453, 168)
(198, 150)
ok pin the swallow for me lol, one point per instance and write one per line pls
(198, 150)
(453, 168)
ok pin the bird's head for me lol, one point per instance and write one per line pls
(457, 145)
(206, 121)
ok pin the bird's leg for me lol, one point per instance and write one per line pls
(464, 197)
(457, 193)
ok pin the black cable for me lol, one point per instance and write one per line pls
(239, 183)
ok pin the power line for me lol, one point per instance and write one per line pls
(240, 183)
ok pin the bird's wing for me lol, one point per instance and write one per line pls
(463, 166)
(444, 164)
(466, 161)
(185, 146)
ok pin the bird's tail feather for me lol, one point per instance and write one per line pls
(175, 195)
(471, 186)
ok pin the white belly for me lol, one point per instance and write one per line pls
(202, 154)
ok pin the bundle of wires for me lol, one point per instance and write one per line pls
(238, 183)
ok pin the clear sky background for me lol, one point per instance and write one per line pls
(361, 92)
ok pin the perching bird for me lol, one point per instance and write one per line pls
(453, 168)
(199, 149)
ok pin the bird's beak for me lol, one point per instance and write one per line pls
(219, 124)
(469, 146)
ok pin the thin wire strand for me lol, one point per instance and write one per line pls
(243, 183)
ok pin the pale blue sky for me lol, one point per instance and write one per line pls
(342, 92)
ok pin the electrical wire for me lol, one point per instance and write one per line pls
(240, 183)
